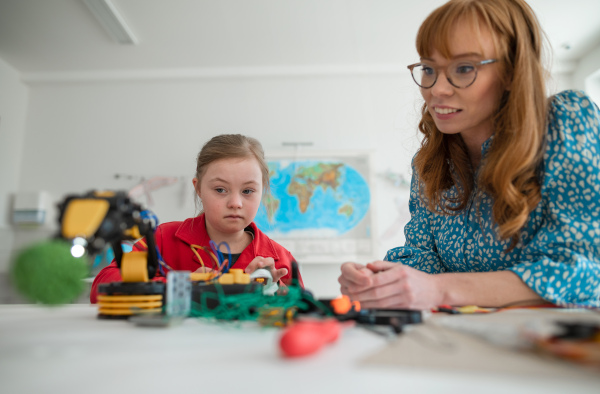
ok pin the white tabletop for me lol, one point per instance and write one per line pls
(68, 350)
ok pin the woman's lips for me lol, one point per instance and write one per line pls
(445, 113)
(445, 110)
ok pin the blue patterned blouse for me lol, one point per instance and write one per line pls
(558, 254)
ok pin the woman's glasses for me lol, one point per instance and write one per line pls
(460, 74)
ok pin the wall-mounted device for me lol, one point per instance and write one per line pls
(30, 208)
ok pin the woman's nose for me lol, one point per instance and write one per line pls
(442, 86)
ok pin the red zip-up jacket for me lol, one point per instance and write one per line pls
(174, 240)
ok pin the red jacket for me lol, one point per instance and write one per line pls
(174, 239)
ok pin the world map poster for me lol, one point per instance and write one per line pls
(319, 207)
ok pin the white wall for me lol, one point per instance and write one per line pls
(80, 134)
(592, 84)
(13, 107)
(586, 75)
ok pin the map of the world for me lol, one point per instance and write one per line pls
(313, 198)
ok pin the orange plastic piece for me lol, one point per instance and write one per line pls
(343, 305)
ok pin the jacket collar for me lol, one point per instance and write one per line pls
(193, 231)
(485, 147)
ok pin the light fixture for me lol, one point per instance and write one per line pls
(111, 19)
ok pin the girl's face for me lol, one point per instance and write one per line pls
(468, 111)
(230, 190)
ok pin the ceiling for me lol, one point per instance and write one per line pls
(46, 38)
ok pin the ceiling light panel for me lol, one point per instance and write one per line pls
(111, 19)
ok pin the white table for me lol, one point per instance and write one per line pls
(68, 350)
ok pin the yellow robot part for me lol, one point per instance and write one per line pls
(134, 267)
(133, 233)
(123, 305)
(127, 305)
(83, 217)
(129, 298)
(127, 311)
(104, 193)
(235, 276)
(201, 276)
(240, 277)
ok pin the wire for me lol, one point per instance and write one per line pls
(529, 303)
(207, 251)
(151, 217)
(537, 303)
(216, 304)
(216, 249)
(197, 255)
(161, 261)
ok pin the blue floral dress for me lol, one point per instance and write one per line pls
(558, 253)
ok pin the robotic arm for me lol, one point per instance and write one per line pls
(92, 220)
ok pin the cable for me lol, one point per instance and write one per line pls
(537, 303)
(197, 255)
(149, 216)
(207, 251)
(216, 249)
(161, 261)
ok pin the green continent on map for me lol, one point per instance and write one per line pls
(272, 205)
(307, 179)
(346, 210)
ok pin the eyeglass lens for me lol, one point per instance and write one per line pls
(460, 74)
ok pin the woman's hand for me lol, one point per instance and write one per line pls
(383, 284)
(354, 278)
(269, 264)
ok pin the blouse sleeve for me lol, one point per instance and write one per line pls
(419, 250)
(562, 262)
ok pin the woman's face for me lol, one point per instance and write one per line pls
(468, 111)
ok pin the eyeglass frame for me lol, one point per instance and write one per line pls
(437, 74)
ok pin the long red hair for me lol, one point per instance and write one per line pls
(509, 171)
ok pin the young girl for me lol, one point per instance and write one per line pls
(231, 176)
(505, 195)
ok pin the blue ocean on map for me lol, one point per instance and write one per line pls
(313, 198)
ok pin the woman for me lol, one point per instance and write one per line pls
(505, 195)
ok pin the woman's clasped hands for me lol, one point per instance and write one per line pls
(383, 284)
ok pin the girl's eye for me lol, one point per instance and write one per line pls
(220, 190)
(247, 191)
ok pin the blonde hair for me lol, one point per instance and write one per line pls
(509, 171)
(232, 146)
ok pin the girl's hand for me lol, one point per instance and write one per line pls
(269, 264)
(383, 284)
(204, 270)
